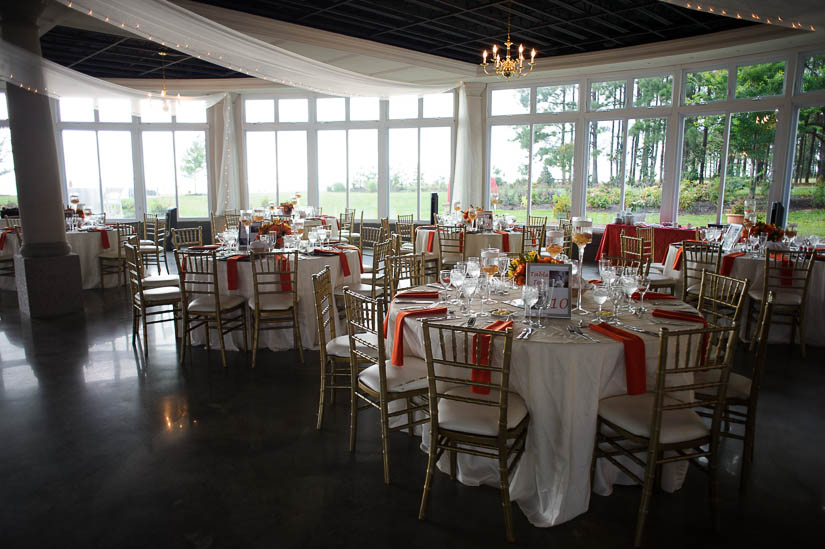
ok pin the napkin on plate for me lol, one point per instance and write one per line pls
(398, 337)
(727, 262)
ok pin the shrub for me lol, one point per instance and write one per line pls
(562, 204)
(819, 193)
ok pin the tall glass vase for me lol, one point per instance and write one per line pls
(582, 236)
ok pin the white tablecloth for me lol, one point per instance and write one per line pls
(87, 246)
(753, 268)
(475, 242)
(561, 377)
(279, 340)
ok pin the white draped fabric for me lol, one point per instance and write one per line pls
(24, 69)
(467, 187)
(180, 29)
(796, 14)
(225, 179)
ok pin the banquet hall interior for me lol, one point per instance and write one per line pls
(321, 273)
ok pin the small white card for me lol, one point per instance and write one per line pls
(484, 221)
(732, 234)
(558, 281)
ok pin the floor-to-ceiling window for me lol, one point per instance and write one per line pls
(382, 158)
(8, 186)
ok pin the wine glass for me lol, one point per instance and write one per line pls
(600, 295)
(543, 301)
(604, 265)
(473, 267)
(472, 214)
(503, 267)
(312, 237)
(457, 280)
(616, 295)
(642, 286)
(555, 242)
(470, 286)
(444, 279)
(297, 197)
(489, 266)
(582, 236)
(494, 202)
(529, 294)
(629, 285)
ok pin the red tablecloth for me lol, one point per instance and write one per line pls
(663, 237)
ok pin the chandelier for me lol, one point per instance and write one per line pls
(509, 67)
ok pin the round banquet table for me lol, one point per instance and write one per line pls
(561, 378)
(475, 242)
(662, 238)
(87, 245)
(753, 268)
(279, 340)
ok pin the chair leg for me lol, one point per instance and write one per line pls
(428, 479)
(747, 453)
(353, 417)
(385, 439)
(752, 344)
(409, 418)
(801, 320)
(255, 331)
(219, 323)
(647, 493)
(245, 334)
(185, 336)
(157, 260)
(145, 336)
(322, 393)
(453, 462)
(713, 487)
(297, 329)
(506, 506)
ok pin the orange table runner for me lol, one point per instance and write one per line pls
(483, 376)
(634, 356)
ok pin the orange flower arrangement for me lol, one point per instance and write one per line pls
(277, 228)
(286, 207)
(518, 266)
(774, 233)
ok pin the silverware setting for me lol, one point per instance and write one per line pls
(526, 333)
(573, 329)
(471, 322)
(434, 318)
(640, 330)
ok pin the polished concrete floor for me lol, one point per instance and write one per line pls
(101, 449)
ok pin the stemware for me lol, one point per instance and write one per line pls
(555, 242)
(582, 236)
(473, 267)
(457, 280)
(543, 300)
(444, 280)
(489, 266)
(642, 286)
(628, 282)
(312, 237)
(600, 295)
(616, 295)
(470, 286)
(529, 295)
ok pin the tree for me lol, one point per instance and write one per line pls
(194, 162)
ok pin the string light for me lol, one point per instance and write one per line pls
(770, 20)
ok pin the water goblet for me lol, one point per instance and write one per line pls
(529, 295)
(642, 286)
(470, 286)
(600, 295)
(457, 280)
(444, 280)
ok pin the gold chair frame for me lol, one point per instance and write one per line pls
(268, 272)
(405, 226)
(405, 267)
(365, 315)
(452, 245)
(335, 370)
(721, 298)
(7, 262)
(116, 265)
(185, 238)
(633, 249)
(679, 354)
(696, 257)
(154, 232)
(534, 234)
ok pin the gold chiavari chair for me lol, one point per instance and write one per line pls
(309, 226)
(787, 274)
(567, 243)
(385, 225)
(649, 247)
(345, 220)
(153, 245)
(232, 219)
(532, 238)
(149, 302)
(405, 226)
(375, 283)
(537, 220)
(697, 257)
(665, 424)
(462, 418)
(742, 396)
(6, 254)
(12, 221)
(334, 350)
(406, 271)
(370, 236)
(632, 249)
(217, 224)
(451, 248)
(274, 305)
(112, 261)
(349, 234)
(721, 298)
(374, 380)
(188, 237)
(429, 269)
(203, 304)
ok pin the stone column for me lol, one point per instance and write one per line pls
(47, 273)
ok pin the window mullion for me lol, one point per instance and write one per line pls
(724, 168)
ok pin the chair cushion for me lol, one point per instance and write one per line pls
(164, 293)
(206, 304)
(739, 386)
(790, 297)
(150, 249)
(657, 267)
(147, 242)
(348, 234)
(633, 412)
(411, 376)
(157, 281)
(272, 302)
(340, 345)
(475, 418)
(407, 247)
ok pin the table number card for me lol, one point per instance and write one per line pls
(558, 280)
(732, 234)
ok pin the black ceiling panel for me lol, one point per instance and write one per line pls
(455, 29)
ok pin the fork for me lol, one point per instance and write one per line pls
(573, 331)
(578, 331)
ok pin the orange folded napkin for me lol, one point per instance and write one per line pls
(232, 271)
(425, 294)
(634, 356)
(727, 262)
(3, 237)
(505, 240)
(204, 247)
(677, 261)
(430, 238)
(690, 317)
(483, 376)
(283, 264)
(348, 247)
(398, 337)
(342, 258)
(653, 295)
(595, 281)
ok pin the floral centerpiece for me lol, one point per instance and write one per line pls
(469, 215)
(773, 232)
(276, 228)
(286, 207)
(517, 270)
